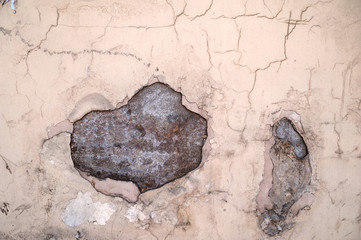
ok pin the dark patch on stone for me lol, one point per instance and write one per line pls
(150, 141)
(291, 175)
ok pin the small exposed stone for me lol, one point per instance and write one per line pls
(291, 175)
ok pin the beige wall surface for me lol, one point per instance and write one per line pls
(241, 63)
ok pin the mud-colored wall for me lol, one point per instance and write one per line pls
(242, 65)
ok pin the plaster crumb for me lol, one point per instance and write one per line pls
(135, 213)
(102, 213)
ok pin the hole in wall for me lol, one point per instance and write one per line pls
(290, 176)
(150, 141)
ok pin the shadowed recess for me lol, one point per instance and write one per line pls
(150, 141)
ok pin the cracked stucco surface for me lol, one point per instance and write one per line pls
(240, 62)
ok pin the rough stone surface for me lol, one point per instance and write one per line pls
(291, 175)
(286, 132)
(150, 141)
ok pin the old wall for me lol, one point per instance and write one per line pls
(242, 64)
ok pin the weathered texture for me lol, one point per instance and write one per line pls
(242, 62)
(291, 175)
(150, 141)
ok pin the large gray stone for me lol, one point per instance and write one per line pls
(150, 141)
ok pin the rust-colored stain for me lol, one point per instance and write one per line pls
(150, 141)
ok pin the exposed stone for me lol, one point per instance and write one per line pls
(285, 131)
(150, 141)
(291, 175)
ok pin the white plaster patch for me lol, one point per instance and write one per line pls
(102, 213)
(82, 209)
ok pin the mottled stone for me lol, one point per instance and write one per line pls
(150, 141)
(291, 175)
(286, 132)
